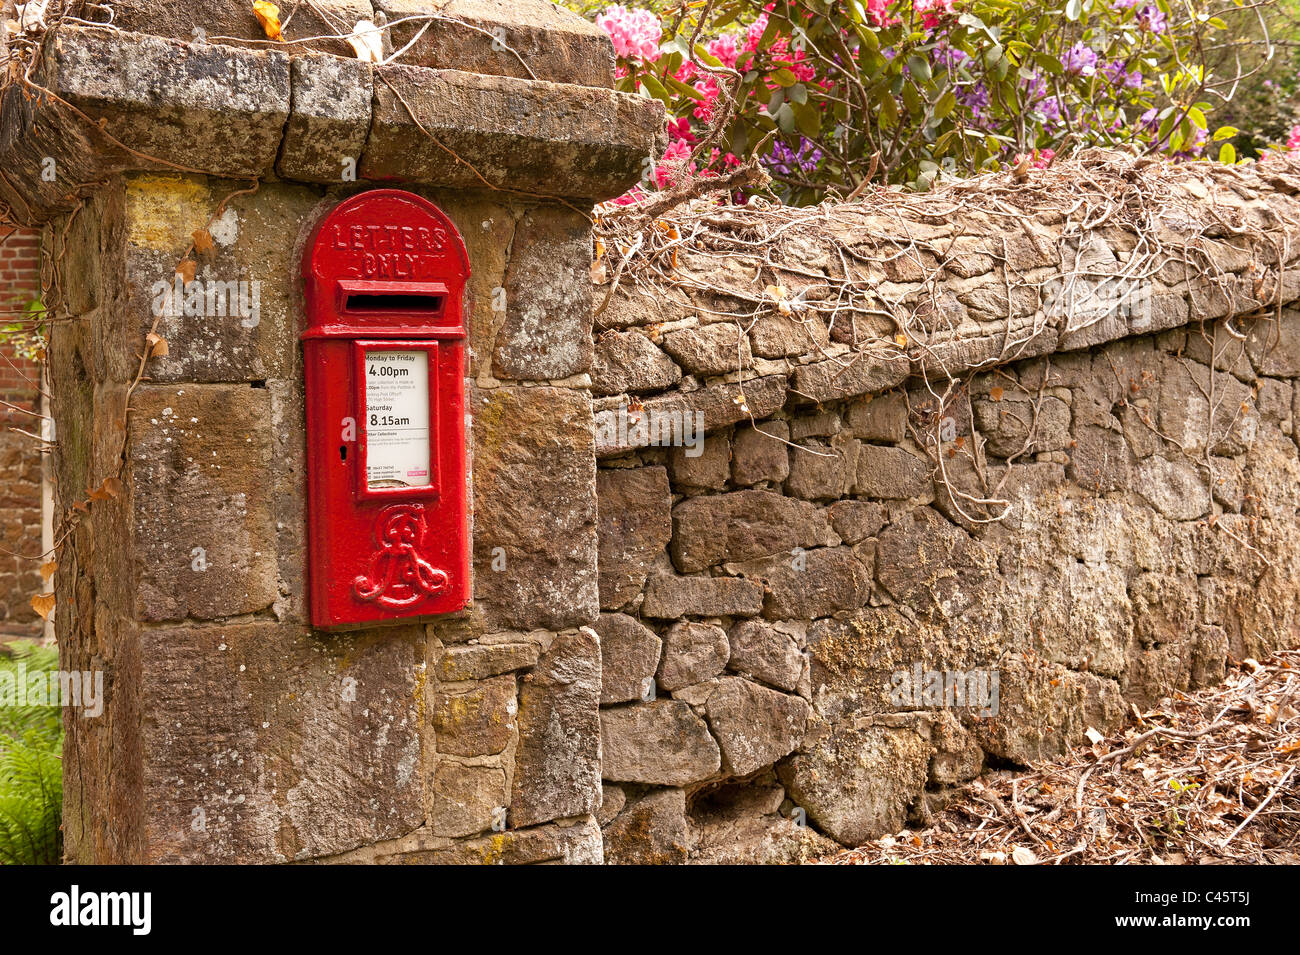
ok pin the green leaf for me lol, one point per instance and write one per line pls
(785, 118)
(656, 89)
(912, 99)
(1049, 63)
(1073, 9)
(888, 112)
(683, 89)
(947, 102)
(1227, 155)
(704, 56)
(1225, 132)
(784, 77)
(807, 119)
(1197, 118)
(868, 37)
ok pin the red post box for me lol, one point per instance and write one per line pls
(383, 352)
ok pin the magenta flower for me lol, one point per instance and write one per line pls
(931, 11)
(635, 33)
(726, 48)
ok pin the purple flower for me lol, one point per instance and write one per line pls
(785, 161)
(1036, 95)
(975, 98)
(1121, 78)
(1153, 19)
(1081, 60)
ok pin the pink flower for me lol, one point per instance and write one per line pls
(1293, 141)
(1041, 160)
(931, 11)
(628, 198)
(755, 32)
(708, 88)
(635, 33)
(680, 129)
(678, 153)
(877, 10)
(726, 48)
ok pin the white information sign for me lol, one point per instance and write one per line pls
(397, 419)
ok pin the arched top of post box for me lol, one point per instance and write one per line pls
(385, 262)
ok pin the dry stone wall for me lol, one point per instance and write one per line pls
(1090, 501)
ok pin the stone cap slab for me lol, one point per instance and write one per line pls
(854, 298)
(527, 39)
(112, 101)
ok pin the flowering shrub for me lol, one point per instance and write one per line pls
(1267, 104)
(830, 92)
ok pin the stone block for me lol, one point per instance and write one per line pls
(532, 449)
(669, 597)
(809, 584)
(467, 799)
(714, 406)
(329, 117)
(557, 764)
(892, 473)
(478, 721)
(651, 831)
(263, 743)
(705, 350)
(878, 418)
(759, 453)
(206, 106)
(662, 743)
(755, 726)
(704, 467)
(743, 525)
(765, 653)
(859, 783)
(629, 363)
(774, 335)
(854, 521)
(547, 139)
(530, 39)
(479, 661)
(547, 329)
(693, 653)
(238, 320)
(823, 471)
(204, 531)
(634, 527)
(629, 658)
(848, 377)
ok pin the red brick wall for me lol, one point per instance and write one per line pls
(20, 461)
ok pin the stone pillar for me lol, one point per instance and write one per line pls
(232, 731)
